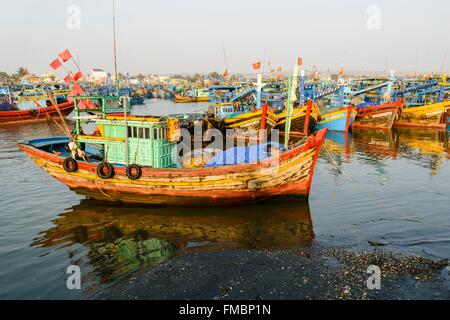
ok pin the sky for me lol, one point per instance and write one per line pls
(188, 36)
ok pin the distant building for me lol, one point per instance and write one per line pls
(98, 75)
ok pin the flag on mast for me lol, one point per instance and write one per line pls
(68, 79)
(78, 76)
(65, 55)
(257, 65)
(56, 64)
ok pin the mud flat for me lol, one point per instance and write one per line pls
(316, 273)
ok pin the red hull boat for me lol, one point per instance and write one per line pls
(34, 115)
(378, 117)
(289, 174)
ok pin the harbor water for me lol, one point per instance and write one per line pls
(370, 188)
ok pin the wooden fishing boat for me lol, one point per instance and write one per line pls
(201, 95)
(35, 115)
(378, 117)
(298, 119)
(252, 120)
(289, 174)
(340, 120)
(134, 160)
(202, 99)
(184, 99)
(430, 116)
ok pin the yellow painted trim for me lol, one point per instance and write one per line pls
(83, 137)
(204, 183)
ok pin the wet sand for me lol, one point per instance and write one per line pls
(316, 273)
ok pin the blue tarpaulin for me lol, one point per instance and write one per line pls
(239, 155)
(366, 104)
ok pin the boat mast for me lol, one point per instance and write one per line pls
(115, 47)
(125, 105)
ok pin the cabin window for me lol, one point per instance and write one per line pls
(130, 132)
(155, 134)
(135, 132)
(141, 133)
(147, 133)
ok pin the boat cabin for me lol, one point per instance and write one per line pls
(120, 140)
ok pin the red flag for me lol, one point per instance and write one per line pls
(257, 65)
(65, 55)
(76, 89)
(86, 104)
(300, 61)
(78, 76)
(56, 64)
(225, 74)
(68, 78)
(341, 72)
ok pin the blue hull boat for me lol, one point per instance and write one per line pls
(337, 121)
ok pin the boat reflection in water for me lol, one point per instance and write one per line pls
(117, 240)
(425, 147)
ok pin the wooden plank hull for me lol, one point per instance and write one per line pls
(378, 117)
(430, 116)
(251, 121)
(36, 115)
(183, 99)
(338, 121)
(202, 99)
(298, 119)
(289, 174)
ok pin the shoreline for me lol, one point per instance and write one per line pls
(292, 274)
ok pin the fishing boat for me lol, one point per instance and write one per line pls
(246, 121)
(201, 95)
(300, 116)
(183, 99)
(192, 96)
(30, 107)
(133, 160)
(340, 120)
(35, 115)
(430, 116)
(378, 116)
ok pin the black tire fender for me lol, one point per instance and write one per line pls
(70, 165)
(134, 172)
(105, 170)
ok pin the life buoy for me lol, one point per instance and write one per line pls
(105, 170)
(134, 172)
(70, 165)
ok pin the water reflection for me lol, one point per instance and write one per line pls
(425, 147)
(117, 240)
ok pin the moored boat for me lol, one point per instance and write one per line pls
(35, 115)
(430, 116)
(340, 120)
(183, 99)
(290, 174)
(136, 164)
(378, 116)
(300, 115)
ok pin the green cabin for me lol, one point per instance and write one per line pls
(125, 139)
